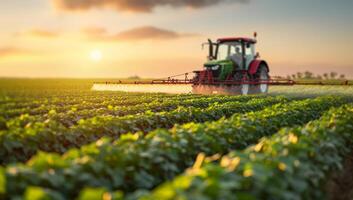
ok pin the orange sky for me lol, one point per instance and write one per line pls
(56, 38)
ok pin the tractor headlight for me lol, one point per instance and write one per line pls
(216, 67)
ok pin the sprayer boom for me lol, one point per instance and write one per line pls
(186, 85)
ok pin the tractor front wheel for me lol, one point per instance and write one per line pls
(261, 76)
(242, 88)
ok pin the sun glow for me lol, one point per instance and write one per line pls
(96, 55)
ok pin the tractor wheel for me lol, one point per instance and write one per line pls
(242, 89)
(245, 88)
(261, 74)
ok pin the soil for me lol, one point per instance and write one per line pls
(340, 185)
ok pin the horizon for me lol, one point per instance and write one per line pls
(114, 38)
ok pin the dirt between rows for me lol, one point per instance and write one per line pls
(340, 185)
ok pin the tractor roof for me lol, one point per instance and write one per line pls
(237, 39)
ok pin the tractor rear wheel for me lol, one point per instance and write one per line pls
(261, 75)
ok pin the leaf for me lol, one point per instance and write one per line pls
(2, 181)
(92, 194)
(36, 193)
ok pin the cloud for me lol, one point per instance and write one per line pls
(136, 34)
(43, 33)
(13, 51)
(94, 31)
(137, 5)
(40, 33)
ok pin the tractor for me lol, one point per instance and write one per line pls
(233, 67)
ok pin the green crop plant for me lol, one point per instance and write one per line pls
(292, 164)
(142, 162)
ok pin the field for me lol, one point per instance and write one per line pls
(61, 140)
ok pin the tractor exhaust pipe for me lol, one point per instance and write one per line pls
(210, 53)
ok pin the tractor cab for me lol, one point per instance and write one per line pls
(234, 60)
(241, 51)
(230, 54)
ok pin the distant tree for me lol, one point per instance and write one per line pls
(134, 77)
(325, 75)
(333, 75)
(299, 75)
(342, 76)
(294, 76)
(288, 76)
(319, 77)
(308, 75)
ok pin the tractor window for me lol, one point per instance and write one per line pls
(226, 50)
(223, 51)
(235, 49)
(249, 54)
(249, 50)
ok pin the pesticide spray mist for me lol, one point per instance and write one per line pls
(165, 88)
(148, 88)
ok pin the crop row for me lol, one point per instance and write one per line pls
(142, 162)
(293, 164)
(51, 136)
(34, 108)
(23, 116)
(71, 113)
(79, 111)
(69, 97)
(94, 98)
(72, 116)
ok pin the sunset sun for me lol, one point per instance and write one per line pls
(96, 55)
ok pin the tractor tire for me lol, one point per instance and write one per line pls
(261, 74)
(242, 89)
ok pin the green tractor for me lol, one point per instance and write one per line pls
(233, 67)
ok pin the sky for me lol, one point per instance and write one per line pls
(160, 38)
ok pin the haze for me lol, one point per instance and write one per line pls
(158, 38)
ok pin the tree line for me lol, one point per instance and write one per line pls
(310, 75)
